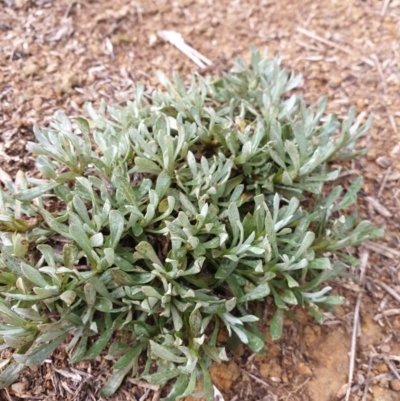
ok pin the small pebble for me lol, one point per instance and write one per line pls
(386, 348)
(18, 388)
(36, 102)
(383, 161)
(51, 68)
(30, 69)
(395, 385)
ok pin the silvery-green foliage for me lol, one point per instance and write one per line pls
(167, 218)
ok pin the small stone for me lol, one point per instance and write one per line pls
(20, 3)
(342, 391)
(335, 82)
(36, 102)
(264, 370)
(51, 68)
(383, 161)
(69, 81)
(30, 69)
(18, 388)
(360, 104)
(395, 385)
(276, 370)
(270, 370)
(382, 394)
(381, 368)
(396, 150)
(384, 383)
(360, 378)
(386, 348)
(275, 379)
(152, 40)
(303, 369)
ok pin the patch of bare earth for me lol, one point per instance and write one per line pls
(61, 54)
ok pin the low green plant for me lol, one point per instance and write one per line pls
(170, 217)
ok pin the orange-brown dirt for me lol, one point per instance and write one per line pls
(61, 54)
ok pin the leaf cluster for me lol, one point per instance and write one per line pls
(167, 218)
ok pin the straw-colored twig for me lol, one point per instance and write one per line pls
(144, 384)
(145, 395)
(379, 68)
(392, 121)
(335, 45)
(364, 263)
(378, 207)
(391, 367)
(353, 345)
(363, 266)
(5, 392)
(383, 356)
(156, 395)
(368, 379)
(384, 182)
(380, 72)
(388, 289)
(385, 7)
(382, 250)
(257, 379)
(177, 40)
(388, 312)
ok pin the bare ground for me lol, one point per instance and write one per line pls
(61, 54)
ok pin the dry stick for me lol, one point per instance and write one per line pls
(392, 121)
(391, 367)
(335, 45)
(388, 312)
(258, 380)
(388, 289)
(390, 357)
(378, 207)
(156, 395)
(385, 7)
(148, 386)
(307, 46)
(144, 396)
(380, 72)
(382, 250)
(396, 55)
(8, 395)
(296, 390)
(177, 40)
(144, 384)
(382, 77)
(353, 345)
(393, 331)
(385, 178)
(364, 263)
(69, 8)
(367, 380)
